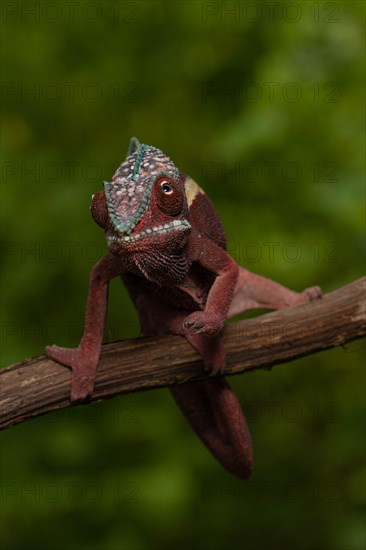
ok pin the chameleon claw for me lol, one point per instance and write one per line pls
(82, 366)
(81, 387)
(309, 294)
(313, 293)
(214, 369)
(192, 324)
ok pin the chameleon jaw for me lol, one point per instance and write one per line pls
(158, 230)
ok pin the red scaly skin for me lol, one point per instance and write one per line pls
(167, 243)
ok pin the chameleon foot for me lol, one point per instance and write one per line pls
(83, 370)
(309, 294)
(211, 350)
(208, 324)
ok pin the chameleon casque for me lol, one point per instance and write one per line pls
(167, 243)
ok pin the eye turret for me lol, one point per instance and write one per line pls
(169, 197)
(99, 210)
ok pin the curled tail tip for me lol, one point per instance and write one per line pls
(242, 471)
(214, 412)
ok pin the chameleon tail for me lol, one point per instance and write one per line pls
(214, 412)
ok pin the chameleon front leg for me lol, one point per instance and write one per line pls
(84, 359)
(211, 320)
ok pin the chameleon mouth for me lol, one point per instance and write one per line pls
(158, 230)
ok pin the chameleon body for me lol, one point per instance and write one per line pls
(167, 243)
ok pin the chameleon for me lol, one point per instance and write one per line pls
(166, 242)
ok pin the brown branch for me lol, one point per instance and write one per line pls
(37, 386)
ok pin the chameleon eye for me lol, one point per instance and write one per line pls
(166, 187)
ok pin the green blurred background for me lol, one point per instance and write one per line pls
(262, 104)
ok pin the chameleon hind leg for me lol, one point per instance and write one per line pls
(254, 291)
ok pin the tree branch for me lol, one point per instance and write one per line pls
(37, 386)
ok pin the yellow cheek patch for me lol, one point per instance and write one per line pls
(192, 189)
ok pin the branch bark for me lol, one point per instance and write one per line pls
(37, 386)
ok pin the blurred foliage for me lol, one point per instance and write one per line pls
(265, 108)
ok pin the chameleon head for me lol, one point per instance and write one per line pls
(145, 205)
